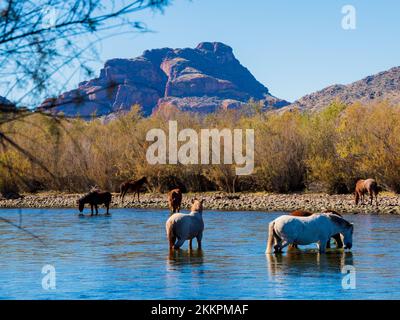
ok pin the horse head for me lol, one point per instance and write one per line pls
(197, 205)
(345, 229)
(347, 236)
(144, 180)
(80, 205)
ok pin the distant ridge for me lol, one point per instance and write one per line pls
(382, 86)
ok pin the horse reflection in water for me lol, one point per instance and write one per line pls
(308, 261)
(183, 257)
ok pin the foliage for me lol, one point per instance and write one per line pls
(293, 150)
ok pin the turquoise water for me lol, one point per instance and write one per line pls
(125, 256)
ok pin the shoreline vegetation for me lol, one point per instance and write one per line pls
(389, 203)
(294, 152)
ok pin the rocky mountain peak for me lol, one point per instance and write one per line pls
(203, 79)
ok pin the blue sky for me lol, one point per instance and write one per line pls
(293, 47)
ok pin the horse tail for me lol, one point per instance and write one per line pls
(375, 188)
(169, 226)
(271, 238)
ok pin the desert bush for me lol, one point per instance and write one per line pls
(293, 150)
(280, 152)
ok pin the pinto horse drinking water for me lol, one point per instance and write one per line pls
(363, 187)
(133, 186)
(336, 237)
(317, 228)
(94, 198)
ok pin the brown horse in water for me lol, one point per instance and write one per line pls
(175, 200)
(363, 187)
(338, 239)
(133, 186)
(94, 198)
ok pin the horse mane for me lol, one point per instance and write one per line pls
(329, 211)
(339, 220)
(301, 213)
(94, 188)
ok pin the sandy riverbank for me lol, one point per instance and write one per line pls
(316, 202)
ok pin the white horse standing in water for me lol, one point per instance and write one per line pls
(318, 228)
(186, 226)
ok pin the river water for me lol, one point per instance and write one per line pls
(126, 256)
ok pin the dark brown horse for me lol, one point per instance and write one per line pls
(94, 198)
(363, 187)
(131, 186)
(175, 200)
(338, 239)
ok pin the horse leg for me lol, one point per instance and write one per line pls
(277, 244)
(91, 208)
(322, 245)
(371, 198)
(199, 238)
(97, 209)
(280, 245)
(283, 245)
(138, 196)
(328, 244)
(339, 242)
(107, 208)
(172, 242)
(179, 244)
(190, 244)
(122, 196)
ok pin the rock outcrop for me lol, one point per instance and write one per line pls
(204, 79)
(382, 86)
